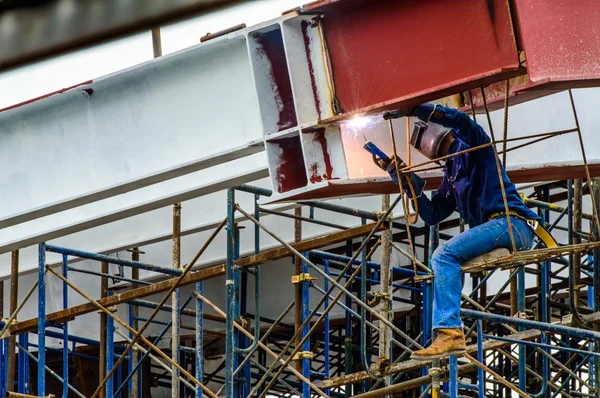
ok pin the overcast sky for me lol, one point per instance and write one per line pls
(67, 70)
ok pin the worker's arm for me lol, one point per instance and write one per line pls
(465, 128)
(433, 210)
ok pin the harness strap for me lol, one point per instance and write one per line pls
(537, 228)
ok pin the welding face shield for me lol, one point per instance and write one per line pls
(427, 138)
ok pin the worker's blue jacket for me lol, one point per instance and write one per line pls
(470, 183)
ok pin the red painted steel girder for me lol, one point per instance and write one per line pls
(561, 41)
(389, 54)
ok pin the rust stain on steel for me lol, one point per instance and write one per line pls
(270, 46)
(210, 36)
(30, 325)
(305, 25)
(290, 166)
(412, 364)
(316, 171)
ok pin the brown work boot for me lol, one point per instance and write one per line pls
(448, 342)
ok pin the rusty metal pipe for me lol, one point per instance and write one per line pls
(103, 326)
(10, 394)
(175, 315)
(135, 275)
(410, 384)
(385, 291)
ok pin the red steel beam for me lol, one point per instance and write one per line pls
(389, 54)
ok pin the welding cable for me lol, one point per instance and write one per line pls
(400, 175)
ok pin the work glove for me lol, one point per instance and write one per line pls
(417, 182)
(398, 113)
(391, 169)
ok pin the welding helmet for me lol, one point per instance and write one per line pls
(427, 138)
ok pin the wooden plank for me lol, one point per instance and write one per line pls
(30, 325)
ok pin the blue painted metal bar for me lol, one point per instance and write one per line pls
(305, 313)
(348, 333)
(238, 338)
(521, 309)
(112, 260)
(230, 296)
(23, 361)
(199, 338)
(110, 351)
(115, 277)
(453, 385)
(364, 358)
(3, 366)
(26, 353)
(141, 360)
(131, 318)
(326, 323)
(545, 280)
(543, 345)
(41, 381)
(427, 312)
(376, 281)
(480, 358)
(529, 324)
(164, 308)
(65, 331)
(370, 264)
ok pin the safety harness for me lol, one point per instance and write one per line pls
(537, 228)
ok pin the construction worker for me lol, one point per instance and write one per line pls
(470, 184)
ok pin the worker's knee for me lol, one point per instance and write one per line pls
(445, 256)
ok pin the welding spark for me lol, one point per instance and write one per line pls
(357, 124)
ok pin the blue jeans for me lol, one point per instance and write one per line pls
(447, 263)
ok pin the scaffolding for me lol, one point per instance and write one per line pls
(533, 342)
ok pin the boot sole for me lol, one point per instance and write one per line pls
(429, 358)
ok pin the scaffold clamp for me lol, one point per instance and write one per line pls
(304, 277)
(303, 355)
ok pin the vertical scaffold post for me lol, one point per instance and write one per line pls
(298, 286)
(386, 293)
(136, 379)
(305, 312)
(23, 365)
(348, 332)
(41, 377)
(12, 340)
(199, 337)
(427, 315)
(239, 339)
(110, 351)
(230, 295)
(103, 328)
(480, 358)
(326, 320)
(175, 301)
(453, 376)
(65, 331)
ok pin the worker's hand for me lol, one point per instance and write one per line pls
(398, 113)
(393, 172)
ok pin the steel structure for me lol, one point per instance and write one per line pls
(357, 314)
